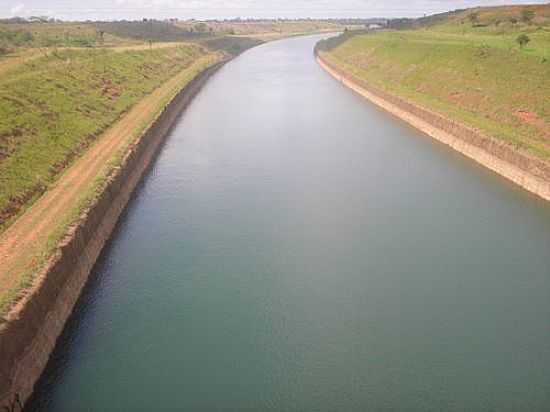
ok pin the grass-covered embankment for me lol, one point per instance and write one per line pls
(467, 67)
(52, 108)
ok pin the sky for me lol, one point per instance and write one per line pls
(220, 9)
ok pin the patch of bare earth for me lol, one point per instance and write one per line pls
(534, 120)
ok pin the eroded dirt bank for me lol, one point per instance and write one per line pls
(29, 335)
(525, 170)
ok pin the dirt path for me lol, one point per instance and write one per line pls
(22, 245)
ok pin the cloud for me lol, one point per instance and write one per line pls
(145, 3)
(137, 9)
(17, 9)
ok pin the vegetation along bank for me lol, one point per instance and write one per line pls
(467, 78)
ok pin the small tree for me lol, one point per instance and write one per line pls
(201, 27)
(522, 40)
(100, 35)
(527, 15)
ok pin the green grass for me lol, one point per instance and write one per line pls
(52, 108)
(42, 35)
(149, 30)
(479, 78)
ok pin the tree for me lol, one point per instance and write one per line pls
(201, 27)
(100, 34)
(522, 40)
(527, 15)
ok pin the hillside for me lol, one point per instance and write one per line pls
(495, 19)
(464, 68)
(262, 29)
(26, 35)
(55, 106)
(17, 34)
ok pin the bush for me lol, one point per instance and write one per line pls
(201, 27)
(522, 40)
(16, 38)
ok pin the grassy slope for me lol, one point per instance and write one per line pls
(29, 35)
(53, 107)
(478, 75)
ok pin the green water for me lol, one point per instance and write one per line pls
(296, 249)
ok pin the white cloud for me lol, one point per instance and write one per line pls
(137, 9)
(17, 9)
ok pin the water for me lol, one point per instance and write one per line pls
(296, 249)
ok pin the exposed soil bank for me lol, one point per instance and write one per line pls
(521, 168)
(30, 334)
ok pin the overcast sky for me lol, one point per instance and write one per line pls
(208, 9)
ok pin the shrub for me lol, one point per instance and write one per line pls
(522, 40)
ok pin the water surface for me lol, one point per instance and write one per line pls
(294, 248)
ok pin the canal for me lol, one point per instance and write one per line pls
(294, 248)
